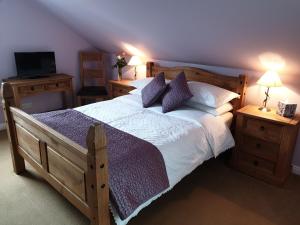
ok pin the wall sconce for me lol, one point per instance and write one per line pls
(135, 61)
(269, 79)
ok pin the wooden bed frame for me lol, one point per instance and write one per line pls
(79, 174)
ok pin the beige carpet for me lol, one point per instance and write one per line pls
(213, 195)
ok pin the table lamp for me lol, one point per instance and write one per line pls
(135, 61)
(269, 79)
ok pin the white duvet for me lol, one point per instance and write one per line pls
(185, 137)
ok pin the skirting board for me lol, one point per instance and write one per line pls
(296, 170)
(2, 126)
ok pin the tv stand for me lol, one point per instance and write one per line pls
(61, 83)
(33, 77)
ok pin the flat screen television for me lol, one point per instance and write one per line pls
(35, 64)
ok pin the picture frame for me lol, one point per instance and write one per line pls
(286, 109)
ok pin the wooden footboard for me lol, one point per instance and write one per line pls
(79, 174)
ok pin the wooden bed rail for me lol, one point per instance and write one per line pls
(79, 174)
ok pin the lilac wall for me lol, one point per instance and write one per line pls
(26, 26)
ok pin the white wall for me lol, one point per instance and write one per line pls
(26, 26)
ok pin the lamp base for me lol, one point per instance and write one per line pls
(264, 109)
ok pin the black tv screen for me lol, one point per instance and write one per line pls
(31, 64)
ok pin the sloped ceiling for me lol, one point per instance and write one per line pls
(229, 33)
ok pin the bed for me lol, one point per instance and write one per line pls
(80, 172)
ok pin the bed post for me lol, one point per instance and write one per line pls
(7, 102)
(97, 176)
(149, 68)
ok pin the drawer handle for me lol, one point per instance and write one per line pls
(255, 163)
(258, 145)
(32, 88)
(262, 128)
(57, 84)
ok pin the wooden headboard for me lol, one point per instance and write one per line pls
(231, 83)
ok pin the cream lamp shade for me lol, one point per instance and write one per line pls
(135, 61)
(270, 79)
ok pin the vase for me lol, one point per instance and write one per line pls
(119, 73)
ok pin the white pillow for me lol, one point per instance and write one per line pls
(210, 95)
(141, 83)
(214, 111)
(136, 92)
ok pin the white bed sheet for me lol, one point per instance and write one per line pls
(227, 118)
(185, 137)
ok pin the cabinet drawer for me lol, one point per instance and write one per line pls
(31, 89)
(260, 148)
(264, 130)
(255, 164)
(54, 86)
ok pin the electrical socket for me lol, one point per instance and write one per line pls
(26, 105)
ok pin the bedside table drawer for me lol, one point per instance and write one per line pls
(264, 130)
(260, 148)
(255, 164)
(119, 91)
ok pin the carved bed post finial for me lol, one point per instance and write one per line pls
(97, 176)
(7, 102)
(149, 67)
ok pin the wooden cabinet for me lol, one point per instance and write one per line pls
(119, 88)
(265, 144)
(61, 83)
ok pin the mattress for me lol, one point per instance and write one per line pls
(185, 137)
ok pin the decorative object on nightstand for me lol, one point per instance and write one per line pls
(269, 79)
(265, 144)
(286, 109)
(135, 61)
(119, 87)
(120, 63)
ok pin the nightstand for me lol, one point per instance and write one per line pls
(119, 87)
(265, 144)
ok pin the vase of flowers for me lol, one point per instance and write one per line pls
(120, 63)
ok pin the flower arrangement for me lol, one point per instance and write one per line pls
(120, 63)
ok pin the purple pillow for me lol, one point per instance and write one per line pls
(176, 94)
(153, 90)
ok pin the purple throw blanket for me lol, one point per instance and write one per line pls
(137, 170)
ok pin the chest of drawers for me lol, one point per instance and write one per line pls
(119, 88)
(265, 144)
